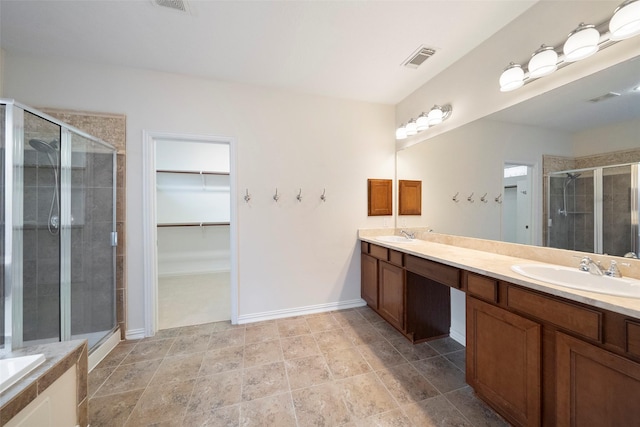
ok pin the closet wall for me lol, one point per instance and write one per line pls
(193, 207)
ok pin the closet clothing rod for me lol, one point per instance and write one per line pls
(193, 224)
(192, 172)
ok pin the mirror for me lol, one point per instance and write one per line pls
(595, 118)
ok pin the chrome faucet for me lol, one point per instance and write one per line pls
(589, 265)
(593, 267)
(408, 235)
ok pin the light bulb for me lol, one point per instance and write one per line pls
(543, 62)
(512, 78)
(582, 43)
(625, 22)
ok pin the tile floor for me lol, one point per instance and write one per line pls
(344, 368)
(193, 299)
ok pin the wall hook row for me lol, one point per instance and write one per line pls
(470, 198)
(455, 197)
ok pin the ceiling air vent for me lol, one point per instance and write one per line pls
(418, 57)
(179, 5)
(605, 96)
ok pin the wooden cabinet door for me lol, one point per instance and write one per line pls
(391, 293)
(595, 387)
(369, 280)
(503, 364)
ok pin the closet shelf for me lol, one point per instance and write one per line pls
(192, 172)
(192, 224)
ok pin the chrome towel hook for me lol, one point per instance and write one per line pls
(276, 197)
(470, 198)
(498, 198)
(323, 197)
(455, 197)
(299, 196)
(483, 199)
(247, 196)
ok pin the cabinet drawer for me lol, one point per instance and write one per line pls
(482, 287)
(440, 273)
(633, 338)
(396, 258)
(579, 320)
(379, 252)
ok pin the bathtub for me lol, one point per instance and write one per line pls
(12, 369)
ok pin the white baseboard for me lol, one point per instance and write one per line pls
(458, 336)
(101, 352)
(300, 311)
(134, 334)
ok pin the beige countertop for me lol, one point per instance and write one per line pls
(498, 266)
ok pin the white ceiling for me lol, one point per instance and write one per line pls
(347, 49)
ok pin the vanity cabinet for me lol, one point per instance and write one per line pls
(383, 283)
(369, 280)
(504, 355)
(410, 293)
(391, 303)
(594, 387)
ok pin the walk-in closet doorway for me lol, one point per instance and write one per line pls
(190, 255)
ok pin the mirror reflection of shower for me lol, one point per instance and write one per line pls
(50, 149)
(571, 178)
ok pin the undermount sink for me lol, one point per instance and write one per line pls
(394, 239)
(576, 279)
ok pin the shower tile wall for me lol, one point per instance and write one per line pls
(580, 201)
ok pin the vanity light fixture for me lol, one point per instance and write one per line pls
(401, 132)
(422, 122)
(625, 22)
(512, 78)
(411, 128)
(436, 115)
(581, 43)
(543, 62)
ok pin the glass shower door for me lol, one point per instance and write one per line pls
(617, 212)
(92, 250)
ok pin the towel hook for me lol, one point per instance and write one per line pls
(323, 197)
(470, 198)
(455, 197)
(299, 196)
(483, 199)
(498, 198)
(276, 197)
(247, 196)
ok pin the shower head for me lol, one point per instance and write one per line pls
(44, 147)
(573, 176)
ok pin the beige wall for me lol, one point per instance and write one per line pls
(291, 255)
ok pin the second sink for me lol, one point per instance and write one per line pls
(576, 279)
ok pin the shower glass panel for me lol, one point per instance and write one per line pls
(58, 231)
(92, 223)
(571, 211)
(3, 187)
(41, 231)
(616, 210)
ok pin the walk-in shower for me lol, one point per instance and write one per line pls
(594, 209)
(57, 231)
